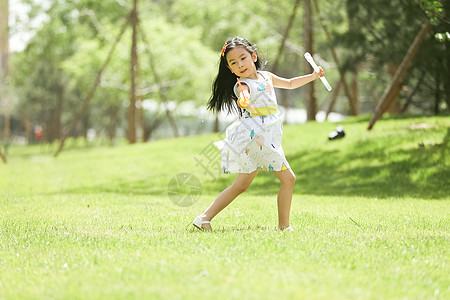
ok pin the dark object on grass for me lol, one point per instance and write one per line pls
(338, 133)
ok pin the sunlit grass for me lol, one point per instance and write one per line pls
(371, 214)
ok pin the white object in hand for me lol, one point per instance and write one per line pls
(309, 58)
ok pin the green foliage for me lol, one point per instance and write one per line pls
(180, 57)
(43, 86)
(380, 29)
(370, 212)
(433, 9)
(379, 36)
(72, 46)
(442, 37)
(185, 38)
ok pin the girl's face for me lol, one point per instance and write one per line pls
(242, 63)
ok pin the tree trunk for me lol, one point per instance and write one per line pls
(352, 97)
(437, 93)
(355, 94)
(112, 128)
(394, 108)
(392, 91)
(27, 126)
(4, 69)
(285, 36)
(85, 125)
(133, 67)
(4, 40)
(142, 121)
(91, 93)
(310, 99)
(54, 123)
(351, 101)
(158, 82)
(411, 95)
(335, 96)
(283, 100)
(3, 157)
(447, 77)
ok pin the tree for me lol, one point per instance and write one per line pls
(77, 36)
(352, 97)
(310, 100)
(273, 31)
(134, 67)
(42, 84)
(185, 38)
(379, 40)
(4, 69)
(281, 49)
(432, 10)
(394, 88)
(285, 36)
(94, 86)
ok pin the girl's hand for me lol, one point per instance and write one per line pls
(242, 102)
(321, 73)
(244, 99)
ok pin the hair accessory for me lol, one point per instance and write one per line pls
(224, 48)
(240, 41)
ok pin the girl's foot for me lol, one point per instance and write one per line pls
(202, 224)
(289, 228)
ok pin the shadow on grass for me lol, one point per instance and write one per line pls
(415, 173)
(376, 170)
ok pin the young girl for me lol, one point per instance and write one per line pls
(254, 142)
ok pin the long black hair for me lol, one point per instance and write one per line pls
(223, 96)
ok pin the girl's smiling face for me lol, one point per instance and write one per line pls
(242, 63)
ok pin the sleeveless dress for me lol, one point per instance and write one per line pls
(254, 141)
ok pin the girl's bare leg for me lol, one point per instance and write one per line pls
(240, 185)
(287, 179)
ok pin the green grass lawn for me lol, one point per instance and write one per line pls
(371, 213)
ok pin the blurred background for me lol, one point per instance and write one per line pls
(134, 71)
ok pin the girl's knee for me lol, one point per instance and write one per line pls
(288, 179)
(240, 187)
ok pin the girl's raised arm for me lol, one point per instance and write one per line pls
(296, 82)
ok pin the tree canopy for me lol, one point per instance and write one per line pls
(178, 45)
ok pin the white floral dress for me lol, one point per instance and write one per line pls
(254, 141)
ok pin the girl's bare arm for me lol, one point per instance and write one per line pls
(296, 82)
